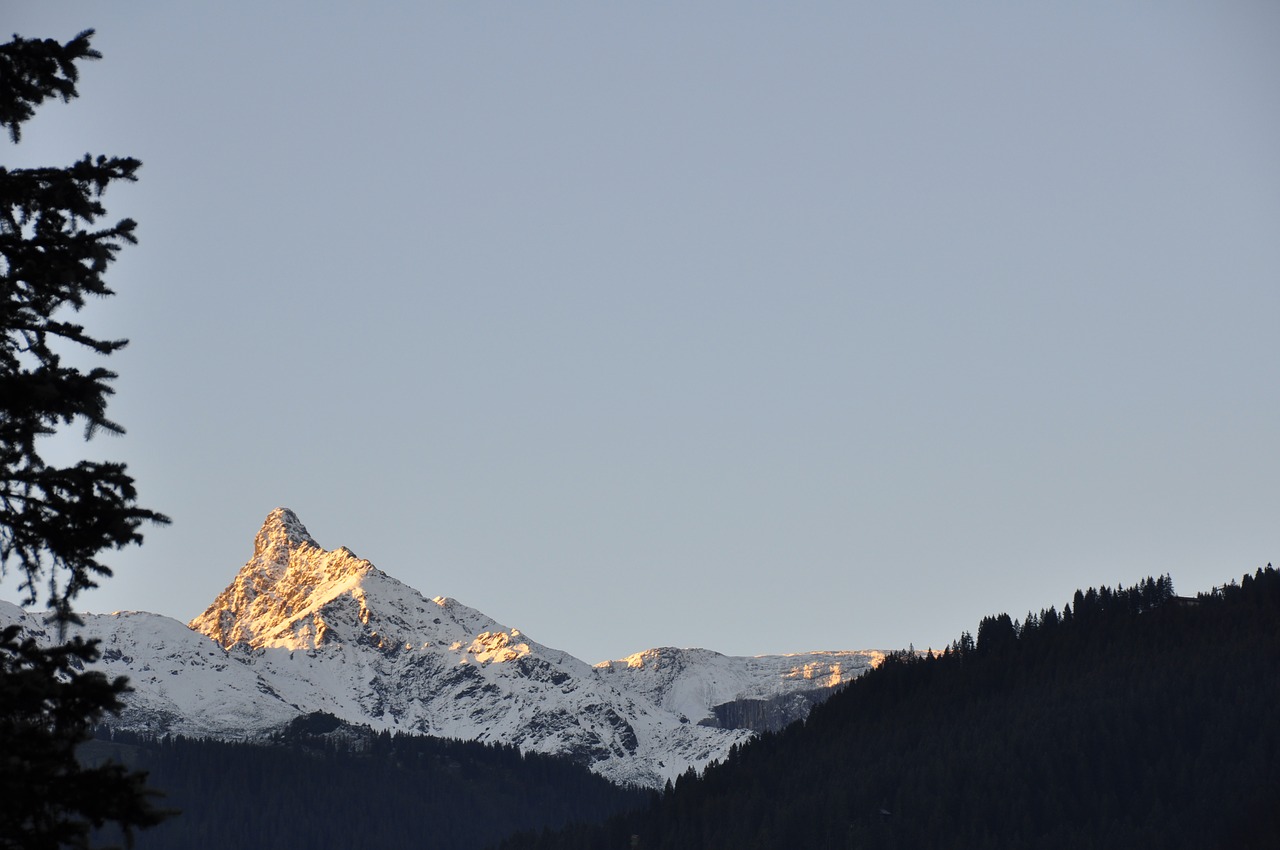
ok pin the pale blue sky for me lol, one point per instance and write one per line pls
(758, 327)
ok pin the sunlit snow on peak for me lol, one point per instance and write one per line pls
(497, 647)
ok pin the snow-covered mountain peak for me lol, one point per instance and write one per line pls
(303, 629)
(290, 577)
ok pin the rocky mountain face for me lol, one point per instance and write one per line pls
(303, 629)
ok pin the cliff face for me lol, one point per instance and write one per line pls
(768, 715)
(275, 598)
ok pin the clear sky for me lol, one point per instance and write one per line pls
(758, 327)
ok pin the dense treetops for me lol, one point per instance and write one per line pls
(323, 784)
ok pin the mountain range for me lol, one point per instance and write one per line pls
(301, 629)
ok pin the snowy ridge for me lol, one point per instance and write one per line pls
(691, 682)
(182, 682)
(303, 629)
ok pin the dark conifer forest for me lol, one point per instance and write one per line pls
(327, 786)
(1130, 718)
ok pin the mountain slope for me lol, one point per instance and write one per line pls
(693, 683)
(302, 629)
(182, 682)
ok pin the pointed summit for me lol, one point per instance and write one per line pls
(281, 587)
(281, 531)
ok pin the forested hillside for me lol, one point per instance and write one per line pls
(328, 786)
(1130, 718)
